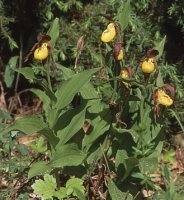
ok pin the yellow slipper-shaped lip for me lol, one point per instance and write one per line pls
(109, 34)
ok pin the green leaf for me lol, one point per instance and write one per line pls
(43, 97)
(51, 137)
(52, 117)
(117, 194)
(133, 133)
(26, 125)
(121, 155)
(61, 193)
(39, 145)
(45, 188)
(124, 15)
(148, 165)
(160, 47)
(27, 72)
(5, 115)
(53, 32)
(39, 168)
(129, 164)
(177, 118)
(75, 183)
(89, 92)
(67, 155)
(10, 71)
(159, 80)
(100, 126)
(71, 129)
(78, 193)
(23, 149)
(66, 72)
(70, 87)
(96, 105)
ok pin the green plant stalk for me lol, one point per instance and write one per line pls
(105, 158)
(19, 65)
(48, 76)
(57, 176)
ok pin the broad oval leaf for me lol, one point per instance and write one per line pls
(26, 125)
(70, 87)
(39, 168)
(67, 155)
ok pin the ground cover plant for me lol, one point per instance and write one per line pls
(99, 124)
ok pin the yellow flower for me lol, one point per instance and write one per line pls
(148, 66)
(42, 52)
(124, 75)
(109, 34)
(120, 55)
(163, 98)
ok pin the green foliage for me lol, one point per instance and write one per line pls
(39, 146)
(89, 120)
(9, 72)
(116, 194)
(47, 188)
(67, 155)
(124, 15)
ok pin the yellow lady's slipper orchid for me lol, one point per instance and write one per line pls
(163, 98)
(120, 55)
(124, 75)
(148, 66)
(42, 52)
(109, 34)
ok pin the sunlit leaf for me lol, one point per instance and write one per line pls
(45, 188)
(39, 168)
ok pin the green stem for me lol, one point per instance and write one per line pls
(19, 65)
(48, 76)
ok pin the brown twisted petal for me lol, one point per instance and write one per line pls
(42, 37)
(170, 90)
(152, 53)
(116, 49)
(130, 71)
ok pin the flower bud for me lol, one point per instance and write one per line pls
(148, 66)
(118, 51)
(126, 72)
